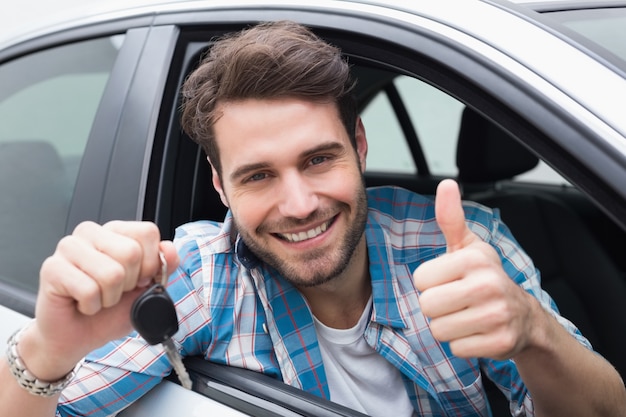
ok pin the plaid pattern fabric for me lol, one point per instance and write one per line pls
(235, 310)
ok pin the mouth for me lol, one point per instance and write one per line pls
(307, 234)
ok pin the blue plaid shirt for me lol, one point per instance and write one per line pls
(236, 310)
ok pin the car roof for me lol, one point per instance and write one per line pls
(97, 11)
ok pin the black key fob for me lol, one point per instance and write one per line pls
(153, 315)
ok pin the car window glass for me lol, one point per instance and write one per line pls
(606, 28)
(48, 102)
(436, 117)
(387, 147)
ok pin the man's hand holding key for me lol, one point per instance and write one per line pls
(87, 288)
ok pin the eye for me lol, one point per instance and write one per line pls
(318, 160)
(256, 177)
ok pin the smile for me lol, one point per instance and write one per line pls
(309, 234)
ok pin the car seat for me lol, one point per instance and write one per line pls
(33, 209)
(586, 284)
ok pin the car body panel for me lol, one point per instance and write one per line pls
(158, 402)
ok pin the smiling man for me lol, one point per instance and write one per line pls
(302, 209)
(379, 299)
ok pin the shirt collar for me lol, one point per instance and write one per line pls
(247, 258)
(386, 310)
(385, 291)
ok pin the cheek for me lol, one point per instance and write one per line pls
(343, 186)
(249, 213)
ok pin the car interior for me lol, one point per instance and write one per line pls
(582, 278)
(584, 281)
(42, 194)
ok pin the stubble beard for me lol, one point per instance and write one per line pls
(319, 266)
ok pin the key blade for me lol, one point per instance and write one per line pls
(177, 363)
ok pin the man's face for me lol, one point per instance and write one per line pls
(293, 182)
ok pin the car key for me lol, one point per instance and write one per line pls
(154, 317)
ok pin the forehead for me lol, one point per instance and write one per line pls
(254, 129)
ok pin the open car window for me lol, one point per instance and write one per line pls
(435, 118)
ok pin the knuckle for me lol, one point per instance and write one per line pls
(48, 266)
(131, 253)
(89, 301)
(505, 343)
(66, 243)
(112, 276)
(137, 229)
(475, 257)
(152, 231)
(85, 227)
(114, 224)
(487, 286)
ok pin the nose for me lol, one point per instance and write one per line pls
(298, 198)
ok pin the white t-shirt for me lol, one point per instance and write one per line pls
(358, 376)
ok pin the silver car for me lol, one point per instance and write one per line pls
(524, 103)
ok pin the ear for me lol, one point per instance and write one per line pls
(361, 143)
(217, 184)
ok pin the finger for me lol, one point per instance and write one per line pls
(66, 284)
(444, 299)
(498, 346)
(123, 255)
(450, 216)
(171, 255)
(446, 268)
(471, 320)
(142, 250)
(477, 260)
(97, 268)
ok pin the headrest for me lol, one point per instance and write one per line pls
(30, 156)
(486, 153)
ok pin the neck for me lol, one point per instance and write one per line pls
(339, 303)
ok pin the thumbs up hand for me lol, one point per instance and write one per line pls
(470, 300)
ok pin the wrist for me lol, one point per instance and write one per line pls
(542, 335)
(34, 379)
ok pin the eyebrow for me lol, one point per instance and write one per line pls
(249, 168)
(246, 169)
(323, 147)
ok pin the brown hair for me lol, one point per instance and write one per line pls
(269, 60)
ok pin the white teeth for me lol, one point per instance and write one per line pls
(309, 234)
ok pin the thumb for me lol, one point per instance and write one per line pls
(171, 255)
(450, 216)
